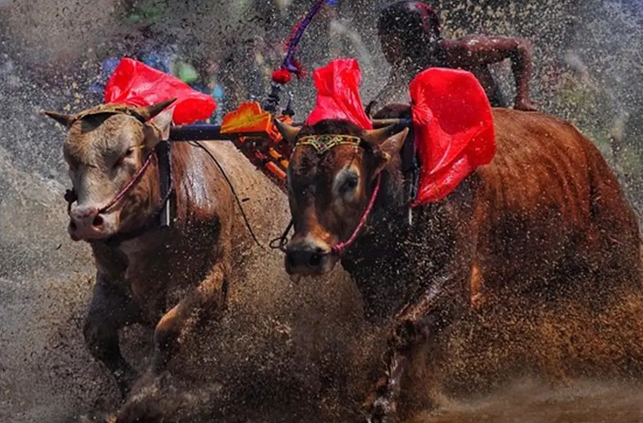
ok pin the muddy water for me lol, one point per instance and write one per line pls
(529, 402)
(302, 352)
(292, 352)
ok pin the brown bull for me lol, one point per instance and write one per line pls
(546, 219)
(165, 278)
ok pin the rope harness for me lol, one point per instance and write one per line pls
(162, 153)
(165, 175)
(323, 144)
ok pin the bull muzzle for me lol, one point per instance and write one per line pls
(308, 257)
(86, 222)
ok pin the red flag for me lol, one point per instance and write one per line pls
(453, 127)
(338, 94)
(135, 84)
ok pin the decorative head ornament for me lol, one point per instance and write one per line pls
(324, 143)
(110, 109)
(337, 98)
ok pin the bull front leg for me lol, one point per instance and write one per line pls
(434, 308)
(208, 298)
(110, 310)
(417, 324)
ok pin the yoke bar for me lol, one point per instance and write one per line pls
(206, 131)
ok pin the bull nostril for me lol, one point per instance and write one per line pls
(315, 260)
(73, 226)
(98, 221)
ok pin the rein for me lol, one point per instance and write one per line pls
(71, 196)
(135, 178)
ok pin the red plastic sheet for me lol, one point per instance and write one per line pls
(135, 84)
(338, 94)
(454, 131)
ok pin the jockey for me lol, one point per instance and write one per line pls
(411, 41)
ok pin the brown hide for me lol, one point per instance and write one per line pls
(545, 210)
(164, 262)
(549, 204)
(545, 221)
(167, 279)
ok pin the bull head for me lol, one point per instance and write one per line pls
(104, 148)
(329, 189)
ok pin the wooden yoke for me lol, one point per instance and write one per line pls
(263, 145)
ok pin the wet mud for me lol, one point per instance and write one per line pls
(297, 351)
(292, 352)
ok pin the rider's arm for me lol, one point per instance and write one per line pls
(475, 51)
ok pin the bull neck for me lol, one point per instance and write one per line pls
(378, 262)
(391, 195)
(391, 203)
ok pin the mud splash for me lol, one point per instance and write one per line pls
(285, 352)
(530, 402)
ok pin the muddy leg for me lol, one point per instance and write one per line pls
(433, 306)
(437, 306)
(382, 403)
(110, 310)
(209, 298)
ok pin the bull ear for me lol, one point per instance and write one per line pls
(163, 122)
(63, 119)
(378, 136)
(390, 148)
(158, 129)
(148, 112)
(288, 132)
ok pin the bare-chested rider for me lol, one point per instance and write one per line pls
(409, 33)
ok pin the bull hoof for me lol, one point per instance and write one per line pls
(382, 411)
(380, 406)
(125, 380)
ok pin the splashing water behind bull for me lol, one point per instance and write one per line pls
(285, 352)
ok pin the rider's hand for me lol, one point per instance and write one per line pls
(525, 105)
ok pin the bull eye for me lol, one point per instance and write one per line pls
(121, 159)
(349, 184)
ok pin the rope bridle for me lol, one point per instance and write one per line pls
(322, 144)
(71, 195)
(162, 154)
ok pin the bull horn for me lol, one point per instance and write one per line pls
(380, 123)
(369, 109)
(63, 119)
(378, 136)
(148, 112)
(288, 132)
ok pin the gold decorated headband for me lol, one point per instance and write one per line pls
(323, 143)
(109, 109)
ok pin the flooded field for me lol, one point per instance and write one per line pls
(528, 402)
(292, 352)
